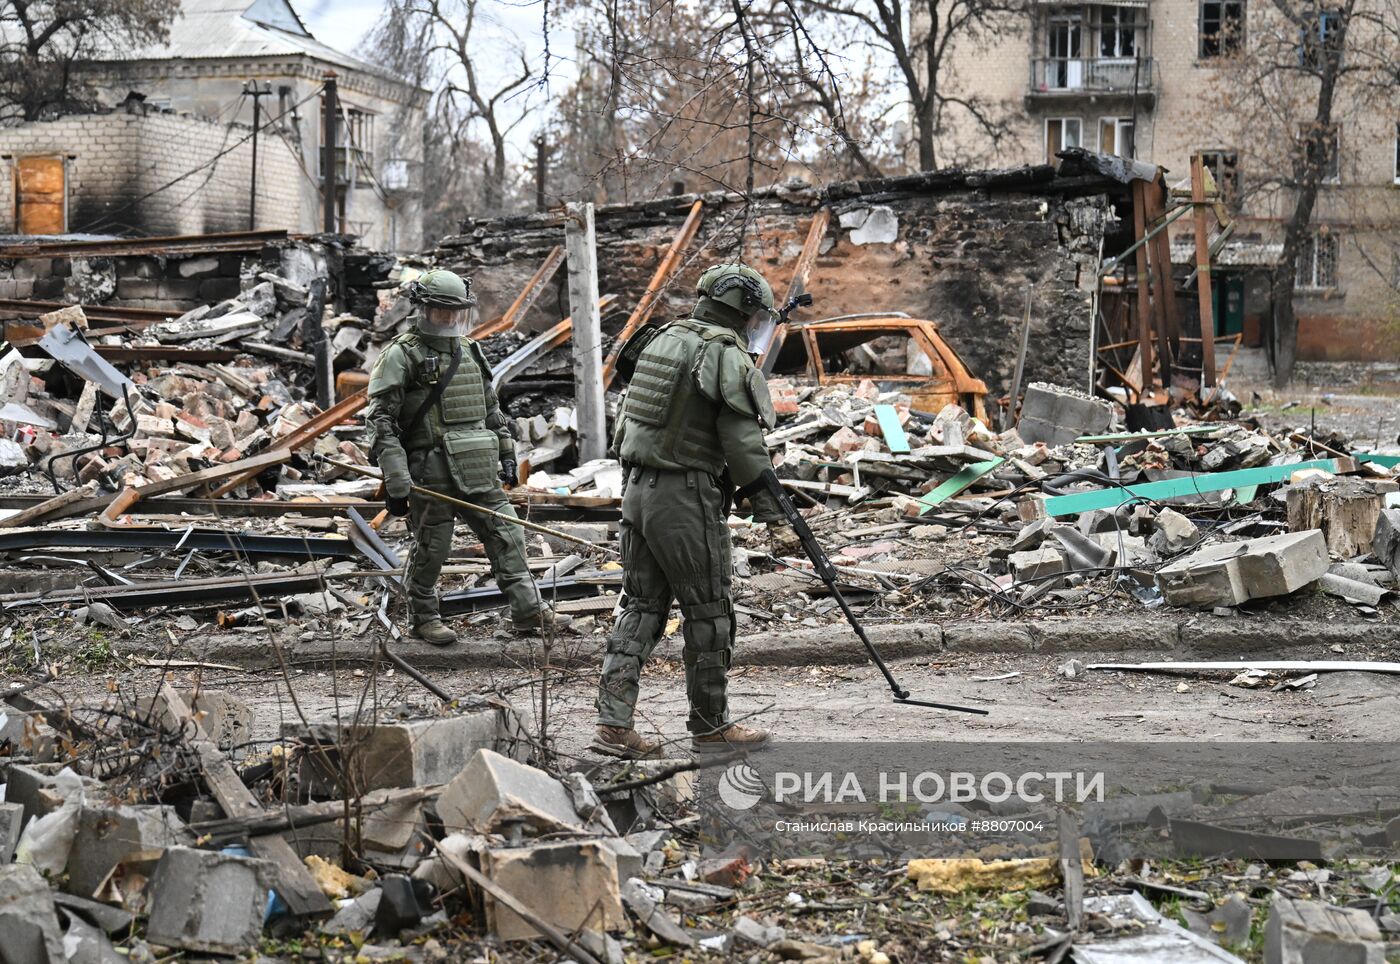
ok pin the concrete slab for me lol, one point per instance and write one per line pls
(494, 792)
(571, 885)
(1231, 573)
(108, 835)
(201, 900)
(1314, 932)
(28, 920)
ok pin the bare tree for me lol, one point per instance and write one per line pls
(1301, 73)
(919, 41)
(41, 41)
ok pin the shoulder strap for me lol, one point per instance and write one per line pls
(435, 396)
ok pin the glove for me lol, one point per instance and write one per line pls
(510, 472)
(783, 539)
(396, 504)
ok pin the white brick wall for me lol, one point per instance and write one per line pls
(120, 167)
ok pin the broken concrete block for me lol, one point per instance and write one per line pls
(355, 915)
(412, 753)
(1175, 533)
(845, 439)
(571, 885)
(628, 858)
(1313, 932)
(494, 791)
(29, 928)
(108, 835)
(597, 533)
(11, 824)
(201, 900)
(86, 944)
(1231, 573)
(1037, 564)
(1385, 541)
(1345, 509)
(1057, 415)
(746, 930)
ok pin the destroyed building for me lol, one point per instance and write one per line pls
(182, 104)
(965, 250)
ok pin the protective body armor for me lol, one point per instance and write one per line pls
(457, 422)
(684, 379)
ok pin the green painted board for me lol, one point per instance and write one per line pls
(1175, 488)
(1386, 461)
(951, 487)
(891, 429)
(1245, 494)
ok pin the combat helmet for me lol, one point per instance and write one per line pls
(441, 289)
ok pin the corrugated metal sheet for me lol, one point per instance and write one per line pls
(1235, 254)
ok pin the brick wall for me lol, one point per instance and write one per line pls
(120, 168)
(962, 256)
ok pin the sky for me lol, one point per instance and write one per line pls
(514, 24)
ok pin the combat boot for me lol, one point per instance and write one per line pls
(623, 742)
(435, 631)
(732, 737)
(546, 617)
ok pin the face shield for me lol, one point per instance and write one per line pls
(444, 322)
(760, 329)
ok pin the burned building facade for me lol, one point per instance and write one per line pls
(964, 250)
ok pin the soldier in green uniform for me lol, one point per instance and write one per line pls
(690, 433)
(434, 420)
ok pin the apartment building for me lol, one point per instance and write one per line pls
(1160, 80)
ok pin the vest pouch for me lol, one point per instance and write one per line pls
(473, 458)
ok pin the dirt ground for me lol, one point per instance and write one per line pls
(846, 703)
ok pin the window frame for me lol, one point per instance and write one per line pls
(1218, 159)
(1309, 254)
(1045, 134)
(1118, 124)
(1395, 158)
(1235, 44)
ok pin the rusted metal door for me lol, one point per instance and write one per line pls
(40, 196)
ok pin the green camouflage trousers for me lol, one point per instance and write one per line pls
(675, 544)
(431, 522)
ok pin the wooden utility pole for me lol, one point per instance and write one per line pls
(541, 172)
(581, 246)
(1203, 292)
(252, 89)
(330, 113)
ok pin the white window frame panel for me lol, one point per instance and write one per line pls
(1045, 134)
(1396, 154)
(1118, 124)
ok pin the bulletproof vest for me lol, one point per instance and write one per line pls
(667, 422)
(463, 403)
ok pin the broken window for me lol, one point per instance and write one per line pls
(1118, 30)
(1396, 152)
(1060, 133)
(1222, 28)
(1116, 136)
(1319, 37)
(1064, 68)
(1323, 152)
(1317, 262)
(1224, 167)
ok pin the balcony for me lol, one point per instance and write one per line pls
(349, 160)
(1059, 77)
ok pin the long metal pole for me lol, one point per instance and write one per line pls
(331, 108)
(473, 507)
(253, 187)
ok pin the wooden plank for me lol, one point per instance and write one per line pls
(1203, 295)
(801, 274)
(36, 512)
(302, 435)
(295, 884)
(890, 428)
(1186, 486)
(670, 263)
(1159, 256)
(527, 297)
(1144, 303)
(580, 241)
(958, 483)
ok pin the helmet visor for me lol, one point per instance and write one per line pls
(759, 331)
